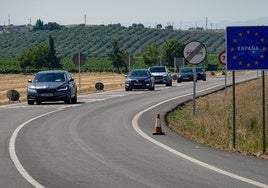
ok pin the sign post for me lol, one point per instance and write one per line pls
(194, 52)
(222, 59)
(129, 61)
(79, 59)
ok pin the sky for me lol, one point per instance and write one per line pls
(182, 14)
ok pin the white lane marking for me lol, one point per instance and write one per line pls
(13, 155)
(184, 156)
(12, 141)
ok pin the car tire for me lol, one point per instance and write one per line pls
(169, 84)
(74, 99)
(178, 81)
(30, 102)
(151, 88)
(68, 99)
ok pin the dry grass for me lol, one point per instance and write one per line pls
(213, 124)
(19, 82)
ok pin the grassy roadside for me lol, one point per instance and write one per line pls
(212, 124)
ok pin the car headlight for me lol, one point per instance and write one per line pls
(165, 75)
(63, 88)
(148, 80)
(128, 80)
(31, 88)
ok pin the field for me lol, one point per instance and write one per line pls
(96, 41)
(19, 82)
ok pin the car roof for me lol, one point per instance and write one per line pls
(52, 71)
(186, 68)
(156, 66)
(139, 70)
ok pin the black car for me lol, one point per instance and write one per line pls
(52, 85)
(139, 79)
(201, 74)
(161, 74)
(185, 74)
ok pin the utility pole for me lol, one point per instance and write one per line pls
(206, 23)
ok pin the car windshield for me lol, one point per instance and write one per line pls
(157, 69)
(139, 73)
(49, 77)
(186, 70)
(199, 70)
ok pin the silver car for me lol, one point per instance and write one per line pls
(161, 75)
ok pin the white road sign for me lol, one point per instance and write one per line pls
(195, 52)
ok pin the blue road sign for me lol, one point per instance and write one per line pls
(247, 47)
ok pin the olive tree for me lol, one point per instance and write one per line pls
(117, 56)
(150, 54)
(171, 49)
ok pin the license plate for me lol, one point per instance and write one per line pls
(47, 94)
(137, 84)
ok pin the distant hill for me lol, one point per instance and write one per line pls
(96, 41)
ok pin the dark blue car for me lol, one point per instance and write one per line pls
(52, 85)
(185, 74)
(139, 79)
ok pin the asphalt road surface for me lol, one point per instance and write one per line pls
(106, 141)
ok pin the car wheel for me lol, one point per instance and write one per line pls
(169, 84)
(151, 88)
(30, 102)
(68, 99)
(179, 81)
(74, 99)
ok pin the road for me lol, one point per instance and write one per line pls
(105, 141)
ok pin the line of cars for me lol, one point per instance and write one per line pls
(147, 78)
(58, 85)
(187, 74)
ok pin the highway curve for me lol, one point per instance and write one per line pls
(105, 141)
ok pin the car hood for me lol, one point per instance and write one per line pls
(158, 73)
(138, 78)
(186, 74)
(45, 85)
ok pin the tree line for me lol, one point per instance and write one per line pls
(43, 56)
(95, 41)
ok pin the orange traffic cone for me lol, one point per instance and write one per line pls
(157, 126)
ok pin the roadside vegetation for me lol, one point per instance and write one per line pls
(212, 125)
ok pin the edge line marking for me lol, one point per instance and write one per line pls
(136, 127)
